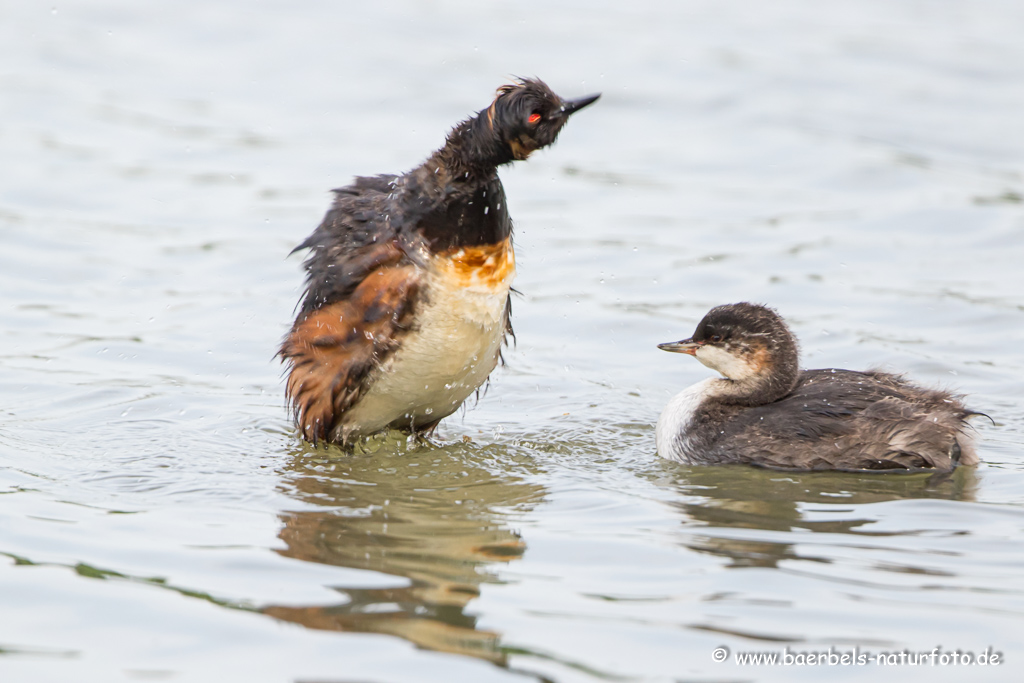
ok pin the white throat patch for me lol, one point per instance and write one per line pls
(730, 365)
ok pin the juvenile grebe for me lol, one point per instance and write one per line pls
(408, 279)
(767, 412)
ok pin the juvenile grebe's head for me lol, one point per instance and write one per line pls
(749, 344)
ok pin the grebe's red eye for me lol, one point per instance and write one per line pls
(534, 117)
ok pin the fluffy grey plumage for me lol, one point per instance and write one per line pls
(767, 412)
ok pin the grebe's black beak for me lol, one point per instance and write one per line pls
(573, 106)
(687, 346)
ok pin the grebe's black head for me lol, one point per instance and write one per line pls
(528, 115)
(747, 343)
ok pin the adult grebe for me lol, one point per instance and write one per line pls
(408, 279)
(765, 411)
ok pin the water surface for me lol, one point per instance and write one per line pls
(861, 168)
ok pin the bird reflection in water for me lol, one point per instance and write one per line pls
(429, 516)
(757, 499)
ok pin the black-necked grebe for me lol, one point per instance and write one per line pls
(406, 304)
(765, 411)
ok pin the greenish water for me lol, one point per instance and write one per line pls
(860, 168)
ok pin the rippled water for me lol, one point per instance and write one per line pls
(858, 166)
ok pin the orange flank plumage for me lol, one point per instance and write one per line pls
(334, 348)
